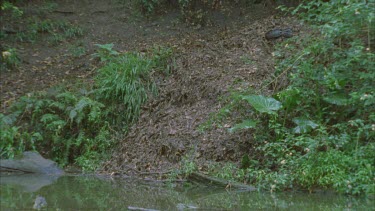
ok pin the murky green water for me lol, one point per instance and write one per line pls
(93, 193)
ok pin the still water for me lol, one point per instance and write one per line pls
(97, 193)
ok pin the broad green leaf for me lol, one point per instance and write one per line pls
(246, 124)
(263, 104)
(303, 125)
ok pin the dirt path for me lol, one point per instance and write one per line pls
(229, 54)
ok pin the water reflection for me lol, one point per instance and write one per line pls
(93, 193)
(28, 182)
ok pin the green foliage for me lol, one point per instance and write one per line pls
(105, 52)
(227, 172)
(59, 30)
(9, 59)
(35, 24)
(67, 123)
(318, 132)
(335, 169)
(77, 50)
(125, 82)
(13, 141)
(161, 59)
(303, 125)
(187, 166)
(15, 12)
(149, 6)
(77, 125)
(245, 124)
(263, 104)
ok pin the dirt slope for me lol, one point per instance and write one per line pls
(207, 67)
(229, 53)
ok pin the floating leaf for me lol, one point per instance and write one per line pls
(246, 124)
(263, 104)
(303, 125)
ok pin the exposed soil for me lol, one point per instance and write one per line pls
(230, 53)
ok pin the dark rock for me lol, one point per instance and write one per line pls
(287, 33)
(31, 162)
(274, 34)
(277, 33)
(39, 203)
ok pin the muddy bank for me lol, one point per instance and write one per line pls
(208, 67)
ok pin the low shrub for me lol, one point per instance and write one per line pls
(319, 130)
(79, 125)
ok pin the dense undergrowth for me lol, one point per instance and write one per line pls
(319, 130)
(79, 124)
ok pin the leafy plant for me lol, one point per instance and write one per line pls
(78, 125)
(105, 52)
(9, 59)
(263, 104)
(246, 124)
(77, 50)
(58, 30)
(66, 122)
(315, 132)
(15, 11)
(149, 6)
(125, 82)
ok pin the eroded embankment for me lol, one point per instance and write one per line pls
(207, 67)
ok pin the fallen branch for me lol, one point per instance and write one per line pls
(195, 176)
(161, 173)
